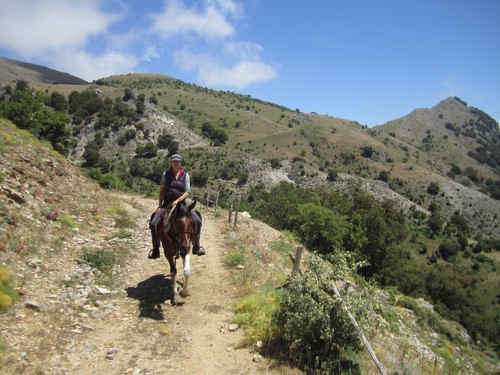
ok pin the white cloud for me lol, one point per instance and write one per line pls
(150, 53)
(242, 50)
(208, 22)
(92, 39)
(212, 71)
(34, 28)
(90, 67)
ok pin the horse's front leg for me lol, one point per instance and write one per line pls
(173, 274)
(184, 292)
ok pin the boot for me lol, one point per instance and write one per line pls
(197, 249)
(155, 253)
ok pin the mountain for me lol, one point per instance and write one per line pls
(13, 70)
(77, 255)
(438, 165)
(451, 145)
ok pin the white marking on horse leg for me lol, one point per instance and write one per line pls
(187, 267)
(187, 270)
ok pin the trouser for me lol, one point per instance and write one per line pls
(154, 221)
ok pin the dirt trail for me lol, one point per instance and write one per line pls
(152, 337)
(134, 329)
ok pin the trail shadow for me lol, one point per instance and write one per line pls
(151, 294)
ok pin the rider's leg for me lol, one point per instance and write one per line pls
(155, 253)
(197, 248)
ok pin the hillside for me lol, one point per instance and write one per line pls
(72, 317)
(11, 70)
(434, 174)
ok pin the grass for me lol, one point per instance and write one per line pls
(121, 217)
(101, 259)
(235, 258)
(67, 221)
(255, 313)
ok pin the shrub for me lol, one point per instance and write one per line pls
(313, 329)
(7, 292)
(101, 259)
(235, 258)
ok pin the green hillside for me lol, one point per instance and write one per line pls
(417, 198)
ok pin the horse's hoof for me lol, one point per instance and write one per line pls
(183, 293)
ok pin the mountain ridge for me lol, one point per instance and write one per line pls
(440, 157)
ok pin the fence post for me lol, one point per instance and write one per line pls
(217, 199)
(296, 260)
(236, 213)
(230, 208)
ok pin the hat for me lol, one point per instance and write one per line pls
(175, 157)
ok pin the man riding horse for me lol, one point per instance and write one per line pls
(175, 187)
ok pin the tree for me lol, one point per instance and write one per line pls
(320, 228)
(367, 151)
(150, 149)
(140, 106)
(127, 95)
(433, 188)
(58, 102)
(332, 175)
(164, 140)
(435, 222)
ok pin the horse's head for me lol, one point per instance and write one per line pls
(182, 226)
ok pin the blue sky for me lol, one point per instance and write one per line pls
(366, 60)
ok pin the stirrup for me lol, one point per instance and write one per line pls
(198, 251)
(154, 255)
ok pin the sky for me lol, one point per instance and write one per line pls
(371, 61)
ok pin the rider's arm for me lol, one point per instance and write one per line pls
(162, 194)
(187, 186)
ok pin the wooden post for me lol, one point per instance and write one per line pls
(230, 208)
(217, 199)
(296, 260)
(236, 213)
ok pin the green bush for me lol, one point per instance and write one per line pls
(235, 258)
(8, 293)
(314, 331)
(101, 259)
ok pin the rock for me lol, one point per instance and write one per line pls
(102, 291)
(36, 306)
(258, 346)
(233, 327)
(257, 358)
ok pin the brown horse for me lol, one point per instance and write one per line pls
(176, 232)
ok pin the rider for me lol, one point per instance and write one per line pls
(175, 187)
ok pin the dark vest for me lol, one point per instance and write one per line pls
(174, 188)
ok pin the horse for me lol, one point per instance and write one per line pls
(176, 233)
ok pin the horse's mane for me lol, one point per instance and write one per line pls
(182, 210)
